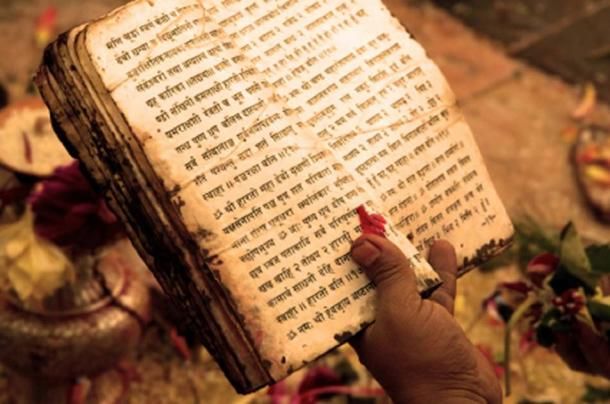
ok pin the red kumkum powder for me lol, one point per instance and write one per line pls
(371, 224)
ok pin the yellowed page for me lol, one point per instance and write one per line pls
(355, 77)
(271, 206)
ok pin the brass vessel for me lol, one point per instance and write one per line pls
(84, 329)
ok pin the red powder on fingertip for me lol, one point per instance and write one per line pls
(371, 224)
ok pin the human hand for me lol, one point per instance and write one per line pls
(416, 349)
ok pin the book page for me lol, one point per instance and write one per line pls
(355, 77)
(272, 208)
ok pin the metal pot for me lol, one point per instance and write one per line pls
(84, 329)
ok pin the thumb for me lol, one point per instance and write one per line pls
(444, 261)
(386, 266)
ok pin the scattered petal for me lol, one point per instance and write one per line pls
(180, 344)
(46, 26)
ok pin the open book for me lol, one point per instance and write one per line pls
(236, 138)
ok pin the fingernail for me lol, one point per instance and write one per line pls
(441, 245)
(365, 253)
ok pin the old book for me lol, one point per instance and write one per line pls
(236, 139)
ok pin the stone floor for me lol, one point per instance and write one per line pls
(567, 37)
(517, 113)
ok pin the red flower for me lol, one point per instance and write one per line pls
(569, 302)
(318, 384)
(540, 267)
(69, 213)
(321, 376)
(317, 381)
(519, 287)
(527, 342)
(505, 299)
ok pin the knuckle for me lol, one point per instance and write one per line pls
(388, 273)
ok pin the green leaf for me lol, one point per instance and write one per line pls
(544, 336)
(551, 323)
(505, 259)
(536, 235)
(599, 308)
(510, 326)
(563, 280)
(574, 258)
(599, 257)
(532, 239)
(550, 317)
(596, 394)
(562, 326)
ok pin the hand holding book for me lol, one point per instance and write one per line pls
(236, 139)
(415, 348)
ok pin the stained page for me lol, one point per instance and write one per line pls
(271, 206)
(354, 76)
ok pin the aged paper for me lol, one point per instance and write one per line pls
(269, 122)
(369, 91)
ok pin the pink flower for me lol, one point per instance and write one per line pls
(14, 195)
(69, 213)
(569, 302)
(527, 342)
(540, 267)
(318, 381)
(502, 303)
(316, 378)
(278, 392)
(519, 287)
